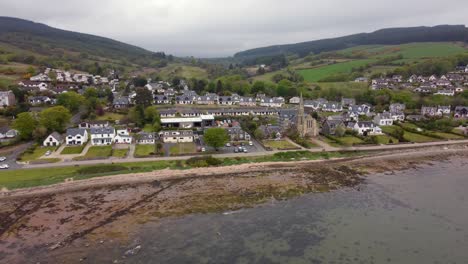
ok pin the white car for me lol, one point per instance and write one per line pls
(250, 143)
(228, 144)
(48, 153)
(203, 149)
(2, 158)
(4, 166)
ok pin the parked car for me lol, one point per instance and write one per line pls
(2, 158)
(48, 153)
(4, 166)
(245, 150)
(203, 149)
(228, 144)
(250, 143)
(236, 150)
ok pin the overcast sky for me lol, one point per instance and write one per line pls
(211, 28)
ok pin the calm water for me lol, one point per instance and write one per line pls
(414, 216)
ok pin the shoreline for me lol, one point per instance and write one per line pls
(46, 222)
(173, 174)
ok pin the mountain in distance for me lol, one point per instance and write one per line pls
(44, 40)
(390, 36)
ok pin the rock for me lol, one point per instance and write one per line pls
(132, 251)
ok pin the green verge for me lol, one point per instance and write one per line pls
(25, 178)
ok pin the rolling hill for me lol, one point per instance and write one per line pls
(391, 36)
(42, 39)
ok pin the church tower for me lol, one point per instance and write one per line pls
(306, 125)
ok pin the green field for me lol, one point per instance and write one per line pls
(73, 150)
(183, 71)
(279, 144)
(183, 148)
(409, 51)
(316, 74)
(447, 135)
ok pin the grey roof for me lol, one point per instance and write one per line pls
(102, 130)
(121, 101)
(147, 136)
(57, 136)
(76, 131)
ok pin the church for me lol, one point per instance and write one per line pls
(306, 125)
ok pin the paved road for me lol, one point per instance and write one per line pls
(11, 158)
(250, 154)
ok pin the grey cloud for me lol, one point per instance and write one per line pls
(208, 28)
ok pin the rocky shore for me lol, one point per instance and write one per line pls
(43, 222)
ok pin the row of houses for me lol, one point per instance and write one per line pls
(109, 135)
(447, 85)
(62, 76)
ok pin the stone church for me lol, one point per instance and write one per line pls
(306, 125)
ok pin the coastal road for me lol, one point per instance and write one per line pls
(250, 154)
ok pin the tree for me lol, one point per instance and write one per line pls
(340, 131)
(216, 137)
(55, 118)
(25, 123)
(140, 81)
(258, 134)
(143, 97)
(71, 100)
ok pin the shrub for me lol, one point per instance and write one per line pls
(101, 169)
(205, 161)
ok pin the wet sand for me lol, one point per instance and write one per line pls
(38, 221)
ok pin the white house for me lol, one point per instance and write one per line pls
(123, 137)
(294, 100)
(53, 140)
(446, 92)
(102, 136)
(272, 102)
(76, 136)
(365, 128)
(383, 119)
(176, 136)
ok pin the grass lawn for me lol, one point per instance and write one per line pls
(110, 116)
(72, 150)
(349, 140)
(36, 154)
(409, 136)
(183, 148)
(447, 135)
(144, 150)
(119, 153)
(316, 74)
(183, 71)
(278, 144)
(417, 138)
(97, 152)
(458, 131)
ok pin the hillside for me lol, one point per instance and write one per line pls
(367, 60)
(391, 36)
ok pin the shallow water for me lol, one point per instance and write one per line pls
(413, 216)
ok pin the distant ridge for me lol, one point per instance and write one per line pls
(389, 36)
(43, 39)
